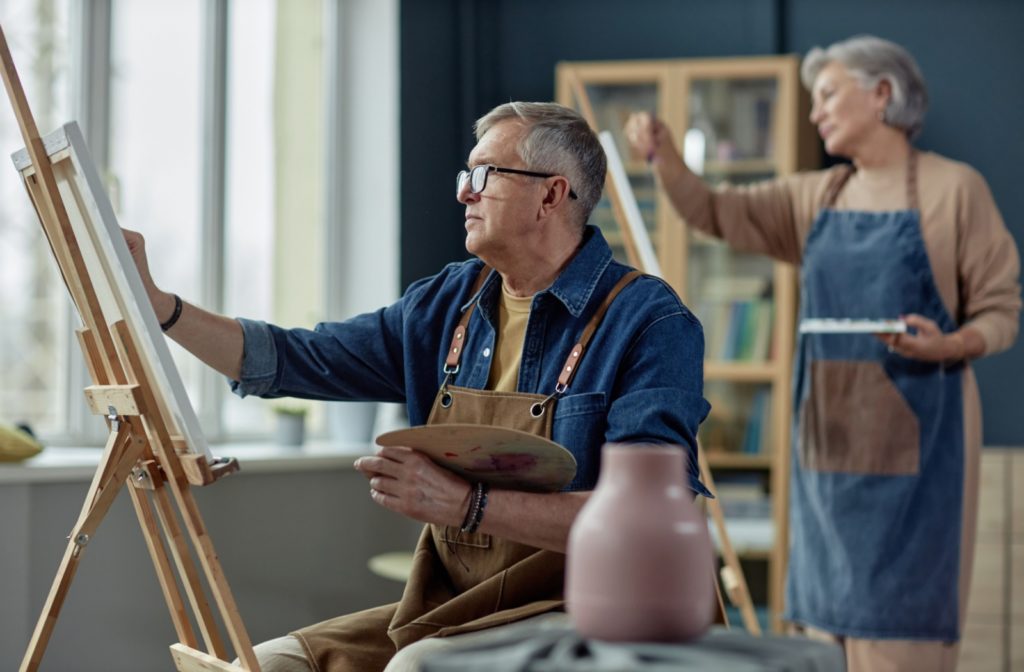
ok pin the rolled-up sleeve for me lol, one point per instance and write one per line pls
(359, 359)
(259, 359)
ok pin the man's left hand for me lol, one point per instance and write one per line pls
(408, 482)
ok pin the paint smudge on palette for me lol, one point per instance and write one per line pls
(504, 463)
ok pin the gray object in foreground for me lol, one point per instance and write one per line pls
(557, 648)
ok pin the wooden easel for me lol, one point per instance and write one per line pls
(145, 450)
(732, 572)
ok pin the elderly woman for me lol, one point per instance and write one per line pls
(888, 429)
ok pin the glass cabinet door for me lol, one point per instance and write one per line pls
(729, 138)
(730, 132)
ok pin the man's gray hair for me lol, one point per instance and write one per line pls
(871, 59)
(557, 140)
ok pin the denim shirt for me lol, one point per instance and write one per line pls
(640, 379)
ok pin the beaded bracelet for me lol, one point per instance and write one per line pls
(475, 512)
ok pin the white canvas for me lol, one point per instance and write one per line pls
(635, 222)
(112, 271)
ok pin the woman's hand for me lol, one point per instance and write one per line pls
(649, 138)
(929, 344)
(406, 481)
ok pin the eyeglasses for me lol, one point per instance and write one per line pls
(478, 178)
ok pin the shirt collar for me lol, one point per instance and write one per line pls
(575, 285)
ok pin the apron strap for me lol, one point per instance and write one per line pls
(451, 364)
(572, 362)
(912, 202)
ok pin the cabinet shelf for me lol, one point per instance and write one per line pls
(722, 459)
(741, 372)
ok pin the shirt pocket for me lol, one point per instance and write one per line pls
(580, 422)
(855, 420)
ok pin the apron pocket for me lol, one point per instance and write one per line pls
(854, 420)
(452, 535)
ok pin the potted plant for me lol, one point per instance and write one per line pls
(290, 429)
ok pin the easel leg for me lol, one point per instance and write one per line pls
(210, 563)
(164, 573)
(190, 660)
(732, 573)
(189, 573)
(178, 485)
(101, 495)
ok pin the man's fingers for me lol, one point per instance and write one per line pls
(377, 465)
(384, 485)
(395, 453)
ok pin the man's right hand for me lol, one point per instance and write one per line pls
(163, 302)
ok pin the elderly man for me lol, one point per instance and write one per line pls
(476, 345)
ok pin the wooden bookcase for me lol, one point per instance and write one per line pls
(736, 120)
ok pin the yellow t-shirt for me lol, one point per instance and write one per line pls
(513, 313)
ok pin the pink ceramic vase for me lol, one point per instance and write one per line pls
(639, 564)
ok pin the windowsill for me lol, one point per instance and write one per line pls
(57, 464)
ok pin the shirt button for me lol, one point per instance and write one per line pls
(486, 352)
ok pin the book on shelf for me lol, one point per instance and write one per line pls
(737, 330)
(736, 311)
(756, 435)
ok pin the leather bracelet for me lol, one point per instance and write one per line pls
(474, 504)
(475, 514)
(173, 319)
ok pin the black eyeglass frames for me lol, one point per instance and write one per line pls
(478, 178)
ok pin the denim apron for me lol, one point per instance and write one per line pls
(461, 582)
(877, 463)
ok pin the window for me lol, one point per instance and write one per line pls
(274, 184)
(35, 311)
(156, 142)
(217, 134)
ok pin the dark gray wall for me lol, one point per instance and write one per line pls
(461, 57)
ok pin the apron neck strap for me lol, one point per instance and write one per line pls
(451, 364)
(912, 201)
(572, 362)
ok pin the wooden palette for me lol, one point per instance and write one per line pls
(500, 457)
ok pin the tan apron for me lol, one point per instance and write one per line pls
(460, 582)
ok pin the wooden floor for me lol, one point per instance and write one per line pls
(994, 633)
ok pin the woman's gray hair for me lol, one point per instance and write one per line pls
(871, 59)
(557, 140)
